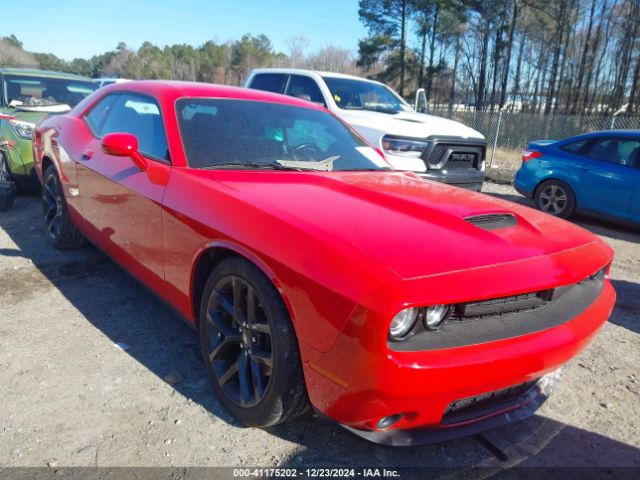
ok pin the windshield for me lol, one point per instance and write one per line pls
(351, 94)
(226, 133)
(42, 91)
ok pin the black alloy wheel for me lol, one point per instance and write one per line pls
(240, 348)
(249, 346)
(60, 229)
(52, 206)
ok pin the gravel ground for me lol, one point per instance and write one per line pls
(95, 371)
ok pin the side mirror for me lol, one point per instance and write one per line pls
(124, 145)
(420, 104)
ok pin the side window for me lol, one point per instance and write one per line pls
(305, 88)
(141, 117)
(98, 114)
(270, 82)
(575, 147)
(616, 150)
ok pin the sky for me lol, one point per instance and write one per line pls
(83, 28)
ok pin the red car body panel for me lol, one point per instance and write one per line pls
(347, 251)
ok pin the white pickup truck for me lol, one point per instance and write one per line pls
(433, 147)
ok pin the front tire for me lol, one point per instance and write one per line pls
(59, 228)
(555, 198)
(249, 347)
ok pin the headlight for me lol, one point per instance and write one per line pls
(403, 323)
(22, 129)
(436, 316)
(404, 147)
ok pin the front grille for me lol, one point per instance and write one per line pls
(502, 306)
(492, 221)
(481, 405)
(459, 164)
(461, 160)
(453, 157)
(435, 157)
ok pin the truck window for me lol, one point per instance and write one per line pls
(270, 82)
(305, 88)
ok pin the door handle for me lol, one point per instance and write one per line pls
(86, 155)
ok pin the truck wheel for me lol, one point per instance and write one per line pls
(60, 230)
(249, 347)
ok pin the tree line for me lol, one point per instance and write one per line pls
(548, 56)
(225, 63)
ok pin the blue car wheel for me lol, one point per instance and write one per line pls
(556, 198)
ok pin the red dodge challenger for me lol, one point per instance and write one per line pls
(408, 311)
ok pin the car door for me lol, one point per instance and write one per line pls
(119, 202)
(608, 176)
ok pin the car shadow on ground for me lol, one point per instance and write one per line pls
(535, 442)
(627, 310)
(128, 315)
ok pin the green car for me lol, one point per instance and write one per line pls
(27, 96)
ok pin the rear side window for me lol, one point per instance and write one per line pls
(575, 147)
(305, 88)
(98, 114)
(270, 82)
(141, 117)
(616, 150)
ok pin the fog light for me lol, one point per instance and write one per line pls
(403, 323)
(387, 422)
(436, 316)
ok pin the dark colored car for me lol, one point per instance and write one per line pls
(596, 174)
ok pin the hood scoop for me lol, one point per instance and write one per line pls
(493, 221)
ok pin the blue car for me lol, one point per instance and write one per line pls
(597, 174)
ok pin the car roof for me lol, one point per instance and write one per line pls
(34, 72)
(632, 133)
(166, 89)
(294, 71)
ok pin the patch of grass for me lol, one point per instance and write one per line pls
(506, 163)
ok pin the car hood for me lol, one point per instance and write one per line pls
(410, 226)
(409, 124)
(31, 117)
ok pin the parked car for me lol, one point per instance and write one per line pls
(597, 174)
(27, 96)
(103, 82)
(407, 311)
(433, 147)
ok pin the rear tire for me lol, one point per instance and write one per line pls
(60, 230)
(249, 346)
(555, 198)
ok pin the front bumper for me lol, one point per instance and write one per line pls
(19, 156)
(470, 179)
(357, 386)
(492, 416)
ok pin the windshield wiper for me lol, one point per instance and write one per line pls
(251, 166)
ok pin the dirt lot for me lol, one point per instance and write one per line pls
(97, 372)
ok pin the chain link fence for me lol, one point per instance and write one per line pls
(510, 131)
